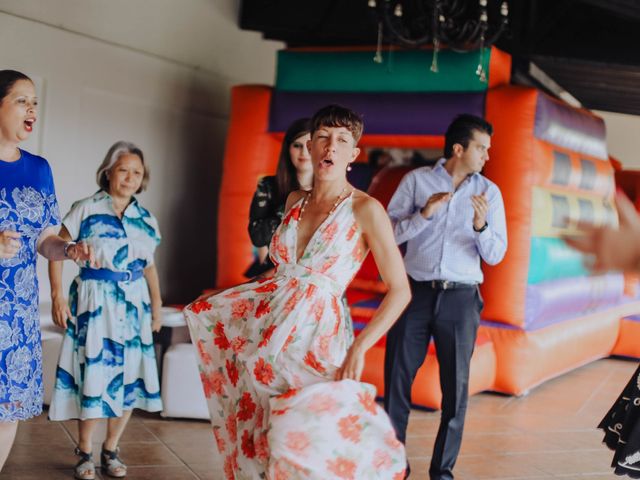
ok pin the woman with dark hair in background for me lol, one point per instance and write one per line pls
(294, 172)
(28, 213)
(107, 363)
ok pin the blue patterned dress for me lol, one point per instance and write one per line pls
(107, 361)
(27, 205)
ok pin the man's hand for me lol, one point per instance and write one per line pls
(480, 210)
(9, 243)
(435, 203)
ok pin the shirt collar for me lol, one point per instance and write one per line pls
(103, 195)
(439, 167)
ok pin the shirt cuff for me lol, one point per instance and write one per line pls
(419, 221)
(486, 233)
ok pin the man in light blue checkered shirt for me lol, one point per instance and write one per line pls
(450, 217)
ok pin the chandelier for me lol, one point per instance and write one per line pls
(461, 25)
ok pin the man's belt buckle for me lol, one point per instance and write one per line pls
(446, 284)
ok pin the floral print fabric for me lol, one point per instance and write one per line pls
(268, 354)
(27, 205)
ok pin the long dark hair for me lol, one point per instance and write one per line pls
(7, 79)
(286, 174)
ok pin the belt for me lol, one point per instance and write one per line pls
(114, 276)
(447, 285)
(305, 276)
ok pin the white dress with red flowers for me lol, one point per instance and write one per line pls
(268, 354)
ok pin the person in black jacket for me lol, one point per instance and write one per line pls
(294, 172)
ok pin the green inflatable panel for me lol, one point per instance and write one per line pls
(552, 259)
(401, 71)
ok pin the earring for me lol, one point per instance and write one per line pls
(349, 168)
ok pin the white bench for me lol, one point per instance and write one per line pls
(181, 390)
(52, 336)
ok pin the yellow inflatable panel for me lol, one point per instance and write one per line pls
(557, 211)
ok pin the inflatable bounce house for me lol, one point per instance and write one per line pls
(544, 312)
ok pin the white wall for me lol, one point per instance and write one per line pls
(623, 138)
(155, 72)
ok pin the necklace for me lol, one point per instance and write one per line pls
(307, 199)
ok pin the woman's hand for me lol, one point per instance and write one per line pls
(60, 310)
(9, 243)
(353, 364)
(83, 252)
(156, 319)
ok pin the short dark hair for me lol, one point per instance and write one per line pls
(338, 116)
(461, 131)
(286, 173)
(7, 80)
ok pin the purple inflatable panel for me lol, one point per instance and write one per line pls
(557, 300)
(570, 128)
(383, 113)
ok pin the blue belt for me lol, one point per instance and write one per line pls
(106, 274)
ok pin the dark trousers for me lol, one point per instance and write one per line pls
(451, 318)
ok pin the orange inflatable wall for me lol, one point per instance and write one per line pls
(250, 153)
(523, 168)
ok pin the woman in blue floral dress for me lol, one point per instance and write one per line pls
(107, 363)
(28, 213)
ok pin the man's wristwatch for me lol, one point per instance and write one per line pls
(66, 248)
(480, 230)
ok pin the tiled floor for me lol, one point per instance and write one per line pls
(548, 434)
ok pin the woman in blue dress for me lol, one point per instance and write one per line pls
(28, 213)
(107, 363)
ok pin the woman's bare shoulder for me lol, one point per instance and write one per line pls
(366, 208)
(294, 197)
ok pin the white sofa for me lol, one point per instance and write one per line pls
(51, 342)
(181, 390)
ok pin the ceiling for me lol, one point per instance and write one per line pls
(590, 48)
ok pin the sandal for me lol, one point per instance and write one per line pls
(111, 463)
(85, 469)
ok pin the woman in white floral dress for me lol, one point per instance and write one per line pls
(28, 213)
(276, 360)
